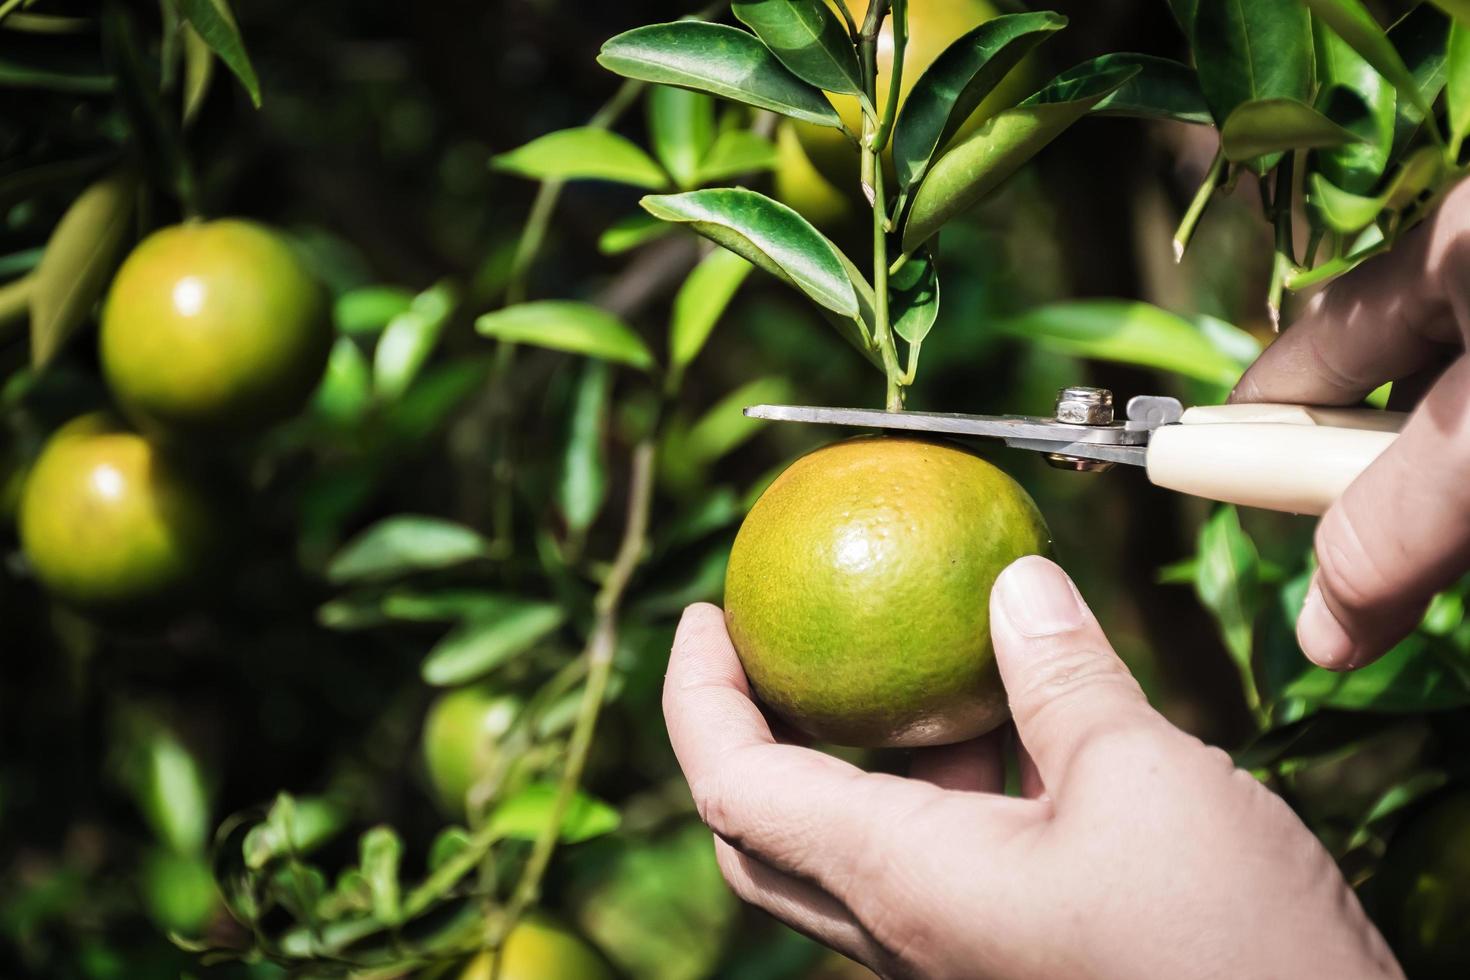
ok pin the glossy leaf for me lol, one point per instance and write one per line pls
(1420, 37)
(293, 826)
(198, 71)
(1347, 213)
(701, 301)
(629, 233)
(526, 814)
(957, 82)
(479, 645)
(720, 60)
(405, 544)
(583, 153)
(215, 24)
(914, 298)
(1352, 22)
(681, 129)
(368, 310)
(1248, 50)
(1457, 82)
(410, 338)
(578, 328)
(1130, 333)
(78, 262)
(1227, 580)
(978, 164)
(736, 152)
(1162, 89)
(582, 486)
(767, 234)
(808, 38)
(1268, 126)
(1355, 95)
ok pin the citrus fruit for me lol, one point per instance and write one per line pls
(801, 186)
(110, 523)
(213, 328)
(538, 949)
(933, 26)
(1422, 895)
(461, 740)
(857, 591)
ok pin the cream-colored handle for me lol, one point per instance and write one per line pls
(1286, 458)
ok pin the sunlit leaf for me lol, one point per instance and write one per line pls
(628, 233)
(381, 852)
(808, 38)
(292, 826)
(584, 153)
(1348, 213)
(1457, 82)
(736, 152)
(957, 82)
(369, 309)
(1227, 580)
(216, 26)
(479, 645)
(1421, 37)
(768, 234)
(526, 814)
(78, 262)
(979, 163)
(701, 301)
(198, 71)
(681, 129)
(721, 60)
(1358, 97)
(1266, 126)
(405, 544)
(914, 299)
(1352, 22)
(168, 784)
(577, 328)
(410, 337)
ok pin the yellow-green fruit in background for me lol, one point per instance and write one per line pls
(111, 524)
(538, 949)
(933, 26)
(1422, 895)
(214, 328)
(461, 740)
(801, 186)
(858, 590)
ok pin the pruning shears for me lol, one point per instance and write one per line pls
(1292, 458)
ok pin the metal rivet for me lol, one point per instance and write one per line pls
(1078, 405)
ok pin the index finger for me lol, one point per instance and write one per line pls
(1386, 320)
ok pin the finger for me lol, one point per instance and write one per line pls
(797, 810)
(1032, 785)
(1400, 533)
(800, 905)
(1387, 319)
(974, 766)
(1066, 685)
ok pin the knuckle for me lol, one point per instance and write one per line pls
(1346, 568)
(713, 803)
(1067, 675)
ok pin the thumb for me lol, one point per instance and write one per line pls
(1066, 685)
(1396, 536)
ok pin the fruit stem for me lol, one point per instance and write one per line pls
(601, 645)
(872, 173)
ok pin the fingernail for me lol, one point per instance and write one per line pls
(1321, 636)
(1039, 599)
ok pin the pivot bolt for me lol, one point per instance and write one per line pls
(1078, 405)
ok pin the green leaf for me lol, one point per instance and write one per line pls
(724, 427)
(577, 328)
(582, 487)
(1162, 89)
(346, 389)
(584, 153)
(479, 645)
(198, 72)
(808, 38)
(720, 60)
(410, 338)
(368, 310)
(1457, 83)
(448, 844)
(155, 135)
(1458, 9)
(1348, 213)
(681, 128)
(1355, 95)
(78, 262)
(957, 82)
(1247, 50)
(701, 301)
(216, 26)
(1420, 37)
(767, 234)
(405, 544)
(169, 786)
(381, 852)
(628, 233)
(292, 827)
(19, 70)
(1268, 126)
(1227, 580)
(914, 298)
(978, 164)
(1130, 333)
(444, 605)
(736, 152)
(1352, 22)
(1410, 678)
(524, 815)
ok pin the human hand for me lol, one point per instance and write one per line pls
(1401, 531)
(1136, 851)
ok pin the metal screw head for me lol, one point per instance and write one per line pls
(1085, 406)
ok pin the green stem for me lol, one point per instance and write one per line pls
(7, 7)
(1331, 268)
(852, 28)
(1185, 231)
(895, 77)
(872, 170)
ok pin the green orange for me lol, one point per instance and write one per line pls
(1422, 895)
(462, 739)
(538, 949)
(858, 591)
(214, 328)
(111, 524)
